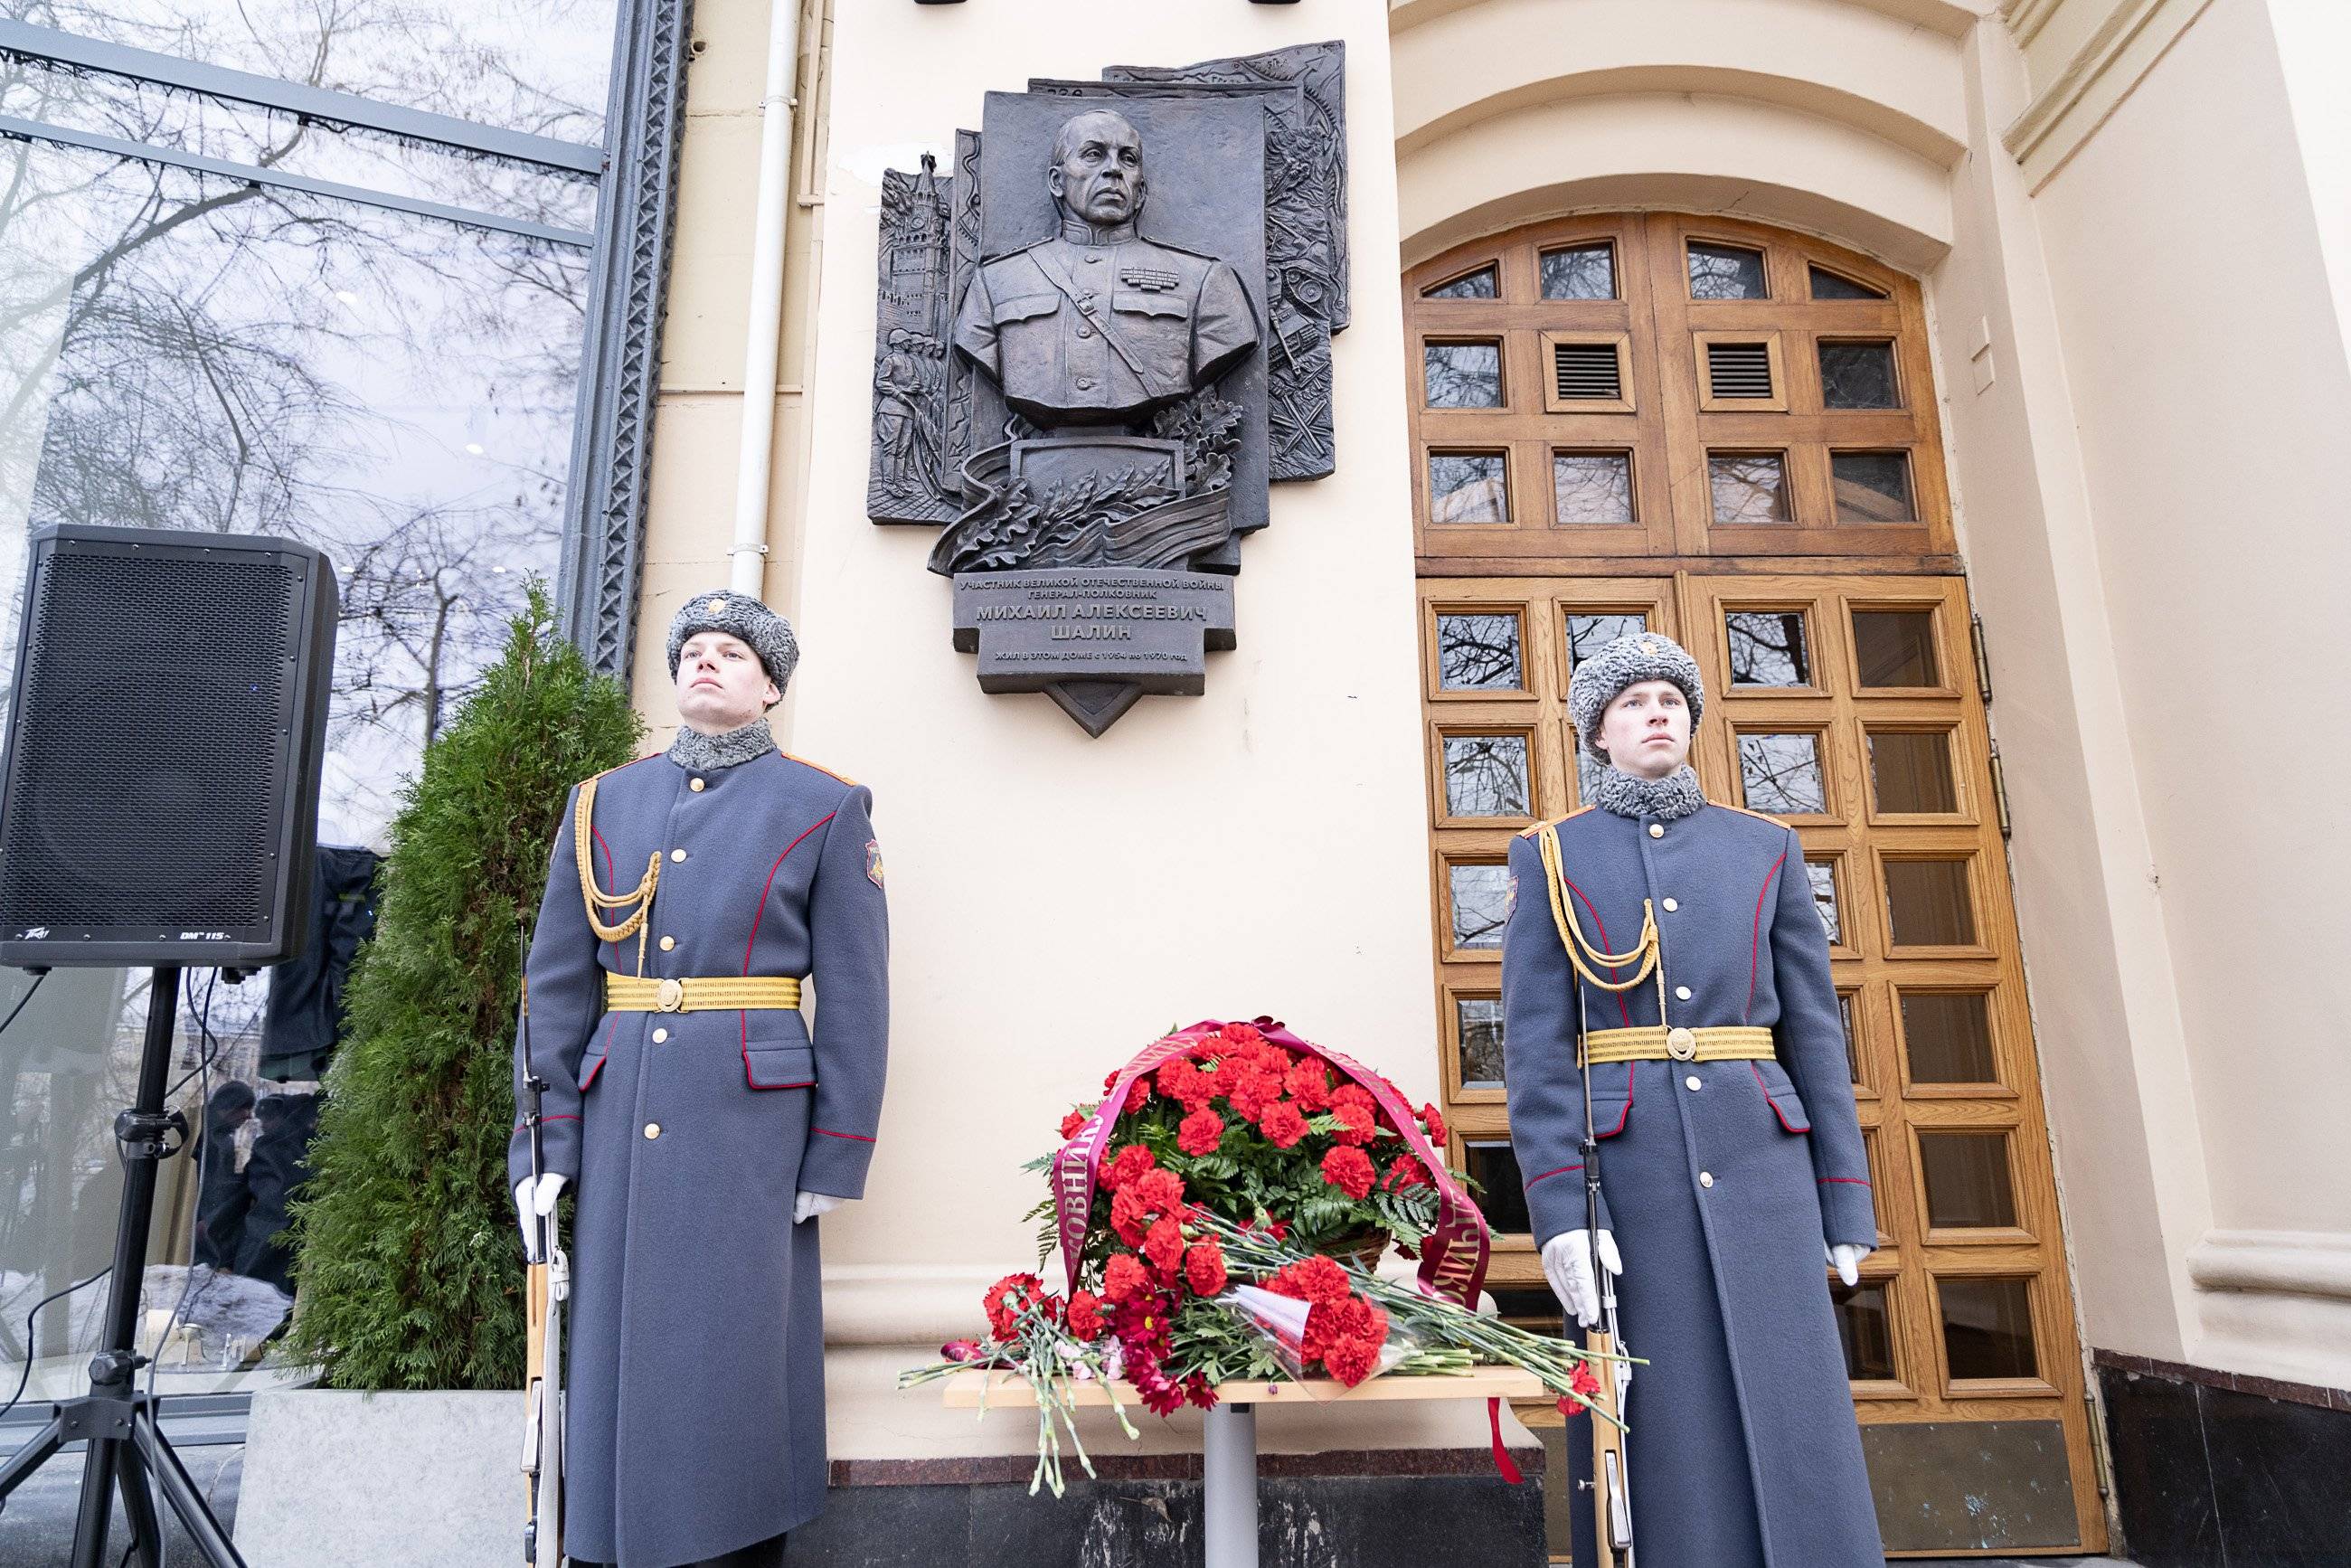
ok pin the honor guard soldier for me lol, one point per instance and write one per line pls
(1673, 945)
(691, 896)
(1099, 325)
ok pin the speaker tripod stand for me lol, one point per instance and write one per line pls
(127, 1448)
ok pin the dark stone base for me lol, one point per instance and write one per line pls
(1308, 1521)
(2209, 1473)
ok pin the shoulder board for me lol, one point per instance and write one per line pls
(1555, 822)
(820, 767)
(630, 763)
(1745, 813)
(1180, 250)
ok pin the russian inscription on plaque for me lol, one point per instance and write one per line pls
(1098, 341)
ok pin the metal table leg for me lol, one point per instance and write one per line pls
(1228, 1485)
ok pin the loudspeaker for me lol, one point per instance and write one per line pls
(159, 796)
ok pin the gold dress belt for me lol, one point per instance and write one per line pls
(1655, 1042)
(715, 993)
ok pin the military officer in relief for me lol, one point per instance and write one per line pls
(704, 1124)
(1673, 945)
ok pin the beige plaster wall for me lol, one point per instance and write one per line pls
(1058, 901)
(2211, 390)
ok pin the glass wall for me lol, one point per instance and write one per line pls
(261, 304)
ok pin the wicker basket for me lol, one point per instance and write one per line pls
(1363, 1249)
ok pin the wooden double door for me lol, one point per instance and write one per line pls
(1848, 706)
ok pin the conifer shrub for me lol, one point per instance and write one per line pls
(408, 1263)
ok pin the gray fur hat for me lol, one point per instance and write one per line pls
(1599, 679)
(738, 615)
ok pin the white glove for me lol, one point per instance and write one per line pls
(531, 1205)
(1567, 1264)
(809, 1205)
(1845, 1259)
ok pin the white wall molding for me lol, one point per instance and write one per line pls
(2279, 1263)
(2070, 103)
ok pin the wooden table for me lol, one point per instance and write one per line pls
(1228, 1452)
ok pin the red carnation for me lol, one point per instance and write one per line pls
(1160, 1191)
(1349, 1170)
(1282, 1124)
(1582, 1380)
(1434, 1120)
(1255, 1090)
(1129, 1216)
(1070, 1124)
(1110, 1078)
(1203, 1267)
(1351, 1360)
(1138, 1093)
(1086, 1323)
(1008, 1298)
(1181, 1081)
(1242, 1033)
(1358, 1117)
(1404, 1174)
(1128, 1165)
(1163, 1245)
(1199, 1133)
(1316, 1279)
(1124, 1279)
(1309, 1083)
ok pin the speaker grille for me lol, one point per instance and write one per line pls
(155, 713)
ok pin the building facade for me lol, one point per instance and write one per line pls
(1938, 370)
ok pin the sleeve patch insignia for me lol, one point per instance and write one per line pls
(874, 861)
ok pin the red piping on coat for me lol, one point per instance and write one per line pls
(1849, 1181)
(1784, 1124)
(586, 1083)
(1621, 1006)
(1548, 1174)
(857, 1137)
(599, 835)
(1755, 946)
(761, 913)
(1632, 1081)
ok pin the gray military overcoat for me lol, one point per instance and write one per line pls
(695, 1371)
(1721, 1180)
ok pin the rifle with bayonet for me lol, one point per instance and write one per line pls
(1612, 1497)
(548, 1288)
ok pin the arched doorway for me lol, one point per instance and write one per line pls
(1729, 434)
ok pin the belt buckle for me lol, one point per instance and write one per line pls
(1681, 1045)
(670, 996)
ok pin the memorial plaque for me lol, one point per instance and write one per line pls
(1098, 343)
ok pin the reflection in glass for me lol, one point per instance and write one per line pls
(1462, 375)
(1930, 903)
(1896, 648)
(1495, 1168)
(1968, 1186)
(1871, 486)
(1988, 1328)
(1948, 1037)
(1823, 876)
(538, 66)
(1865, 1329)
(1782, 774)
(1468, 487)
(1593, 486)
(1478, 652)
(1748, 487)
(1478, 1023)
(1827, 284)
(1587, 635)
(1585, 272)
(1910, 770)
(1768, 648)
(1477, 285)
(1486, 776)
(1725, 272)
(1852, 1036)
(1481, 905)
(1859, 375)
(185, 121)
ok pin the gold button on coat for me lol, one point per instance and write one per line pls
(1681, 993)
(678, 854)
(697, 786)
(1671, 907)
(1656, 830)
(659, 1035)
(1704, 1178)
(652, 1130)
(668, 943)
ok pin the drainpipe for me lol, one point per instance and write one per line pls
(763, 333)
